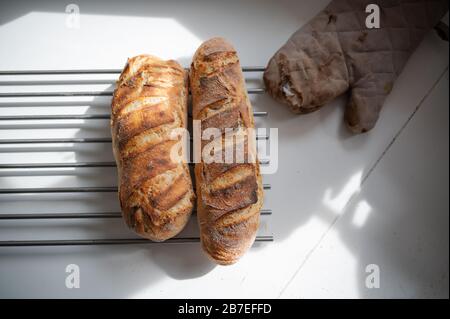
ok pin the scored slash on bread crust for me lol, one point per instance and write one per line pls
(150, 100)
(229, 195)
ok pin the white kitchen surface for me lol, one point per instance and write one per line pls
(340, 202)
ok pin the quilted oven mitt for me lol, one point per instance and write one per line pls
(336, 52)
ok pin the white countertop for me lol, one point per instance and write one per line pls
(340, 202)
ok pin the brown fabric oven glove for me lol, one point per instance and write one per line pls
(335, 52)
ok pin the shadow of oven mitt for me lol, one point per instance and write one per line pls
(336, 52)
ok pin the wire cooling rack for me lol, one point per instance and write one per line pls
(23, 168)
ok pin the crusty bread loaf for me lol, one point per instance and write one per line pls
(229, 195)
(155, 191)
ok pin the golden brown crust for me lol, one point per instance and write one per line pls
(229, 195)
(155, 191)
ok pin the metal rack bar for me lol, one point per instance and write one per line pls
(121, 241)
(77, 165)
(85, 93)
(59, 216)
(56, 117)
(54, 94)
(76, 117)
(80, 215)
(57, 140)
(57, 165)
(75, 140)
(38, 190)
(97, 71)
(86, 189)
(57, 72)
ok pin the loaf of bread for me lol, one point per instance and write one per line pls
(229, 194)
(155, 188)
